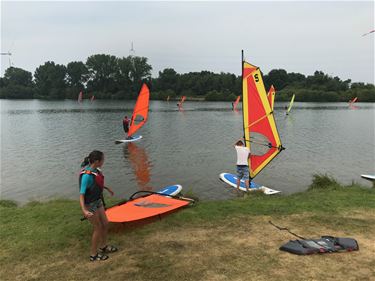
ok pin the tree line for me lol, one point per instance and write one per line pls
(111, 77)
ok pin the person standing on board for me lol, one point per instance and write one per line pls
(125, 125)
(91, 185)
(243, 156)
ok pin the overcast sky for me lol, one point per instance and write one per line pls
(193, 36)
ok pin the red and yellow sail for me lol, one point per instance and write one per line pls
(259, 123)
(140, 112)
(271, 96)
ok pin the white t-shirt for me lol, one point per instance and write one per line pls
(242, 155)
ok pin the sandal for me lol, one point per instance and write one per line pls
(108, 249)
(98, 257)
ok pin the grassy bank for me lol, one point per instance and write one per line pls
(218, 240)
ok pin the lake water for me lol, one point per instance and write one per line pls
(44, 142)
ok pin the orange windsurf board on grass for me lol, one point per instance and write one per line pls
(143, 208)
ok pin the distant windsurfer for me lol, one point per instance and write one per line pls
(125, 125)
(232, 106)
(243, 156)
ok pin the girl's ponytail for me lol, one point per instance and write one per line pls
(85, 162)
(95, 155)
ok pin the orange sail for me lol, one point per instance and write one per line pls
(353, 100)
(271, 96)
(261, 135)
(236, 102)
(140, 111)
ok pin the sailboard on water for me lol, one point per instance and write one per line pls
(259, 126)
(140, 114)
(290, 104)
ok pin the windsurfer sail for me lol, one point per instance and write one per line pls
(271, 96)
(259, 123)
(353, 100)
(236, 102)
(290, 104)
(140, 112)
(80, 97)
(183, 98)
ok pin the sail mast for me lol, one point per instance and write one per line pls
(243, 103)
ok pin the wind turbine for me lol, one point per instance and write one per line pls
(7, 54)
(132, 51)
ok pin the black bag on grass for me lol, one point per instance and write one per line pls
(325, 244)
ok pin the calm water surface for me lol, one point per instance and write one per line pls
(44, 142)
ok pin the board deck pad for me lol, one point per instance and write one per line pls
(171, 190)
(232, 181)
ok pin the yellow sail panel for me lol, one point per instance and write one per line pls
(290, 104)
(258, 119)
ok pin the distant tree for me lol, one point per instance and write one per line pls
(77, 74)
(103, 70)
(17, 84)
(141, 72)
(18, 76)
(296, 78)
(277, 77)
(50, 80)
(167, 80)
(123, 78)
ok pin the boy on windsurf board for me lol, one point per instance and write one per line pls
(91, 185)
(243, 158)
(125, 125)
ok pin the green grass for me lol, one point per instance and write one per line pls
(53, 230)
(38, 226)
